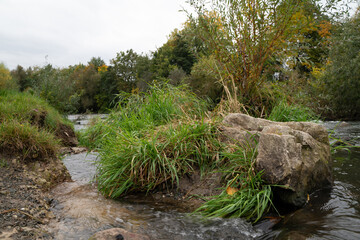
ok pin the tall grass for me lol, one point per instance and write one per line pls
(283, 112)
(245, 194)
(133, 163)
(27, 108)
(140, 113)
(153, 139)
(27, 140)
(28, 125)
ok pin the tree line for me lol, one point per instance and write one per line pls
(244, 55)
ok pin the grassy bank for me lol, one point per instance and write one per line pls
(29, 126)
(153, 139)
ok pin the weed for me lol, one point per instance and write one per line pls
(338, 144)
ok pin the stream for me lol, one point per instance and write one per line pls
(81, 210)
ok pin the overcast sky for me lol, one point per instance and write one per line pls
(69, 32)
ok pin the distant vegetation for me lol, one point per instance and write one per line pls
(290, 51)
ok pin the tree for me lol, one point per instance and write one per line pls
(243, 35)
(124, 68)
(97, 62)
(87, 85)
(108, 88)
(175, 53)
(144, 76)
(6, 81)
(342, 74)
(21, 77)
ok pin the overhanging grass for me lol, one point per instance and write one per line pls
(25, 107)
(245, 194)
(28, 140)
(28, 125)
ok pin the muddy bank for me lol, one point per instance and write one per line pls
(24, 199)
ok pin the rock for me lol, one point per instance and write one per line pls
(72, 150)
(343, 124)
(66, 135)
(295, 155)
(117, 234)
(77, 150)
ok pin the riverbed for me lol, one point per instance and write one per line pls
(332, 213)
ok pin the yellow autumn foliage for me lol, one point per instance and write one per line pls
(5, 77)
(231, 191)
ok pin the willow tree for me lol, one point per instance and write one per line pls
(244, 36)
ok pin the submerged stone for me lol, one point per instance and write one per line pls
(117, 233)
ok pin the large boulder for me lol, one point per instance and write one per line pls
(293, 155)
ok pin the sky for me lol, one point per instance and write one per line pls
(68, 32)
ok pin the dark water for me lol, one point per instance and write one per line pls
(331, 213)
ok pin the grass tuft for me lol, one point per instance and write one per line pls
(155, 138)
(28, 126)
(283, 112)
(245, 194)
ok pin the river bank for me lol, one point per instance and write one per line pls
(25, 202)
(75, 209)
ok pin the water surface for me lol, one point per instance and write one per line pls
(332, 213)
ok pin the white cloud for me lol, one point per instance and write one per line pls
(73, 31)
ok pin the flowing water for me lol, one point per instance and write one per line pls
(331, 213)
